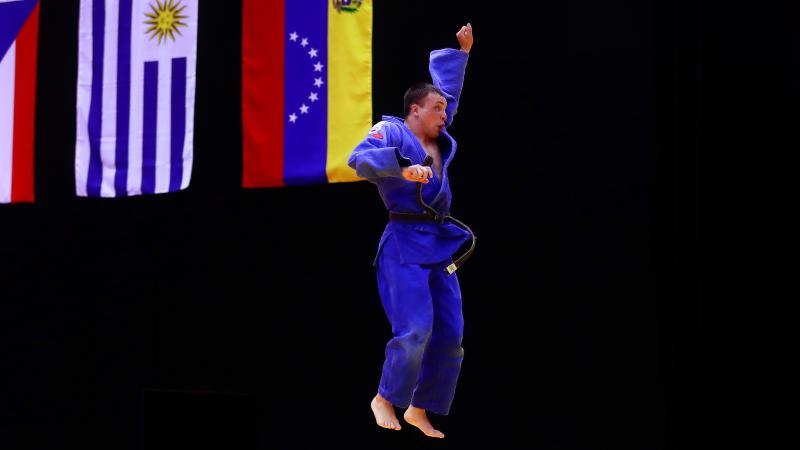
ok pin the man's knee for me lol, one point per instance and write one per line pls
(447, 341)
(417, 335)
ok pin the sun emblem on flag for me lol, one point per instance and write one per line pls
(165, 20)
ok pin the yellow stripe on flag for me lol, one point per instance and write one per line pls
(349, 85)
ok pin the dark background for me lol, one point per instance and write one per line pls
(229, 318)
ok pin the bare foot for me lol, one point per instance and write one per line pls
(418, 418)
(384, 413)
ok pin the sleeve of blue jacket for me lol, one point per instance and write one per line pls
(447, 68)
(378, 155)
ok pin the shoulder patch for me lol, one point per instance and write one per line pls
(377, 127)
(385, 129)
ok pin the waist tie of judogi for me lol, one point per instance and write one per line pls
(431, 215)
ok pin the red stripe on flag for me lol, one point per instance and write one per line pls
(263, 36)
(24, 109)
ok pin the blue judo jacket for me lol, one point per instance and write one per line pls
(390, 146)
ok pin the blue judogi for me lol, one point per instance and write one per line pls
(421, 301)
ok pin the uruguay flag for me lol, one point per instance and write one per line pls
(306, 89)
(135, 102)
(19, 25)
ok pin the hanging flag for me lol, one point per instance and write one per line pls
(19, 26)
(306, 89)
(136, 82)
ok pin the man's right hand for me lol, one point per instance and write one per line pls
(417, 173)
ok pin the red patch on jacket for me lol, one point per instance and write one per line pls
(377, 135)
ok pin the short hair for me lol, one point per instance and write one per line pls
(416, 93)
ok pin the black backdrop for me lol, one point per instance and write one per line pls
(250, 319)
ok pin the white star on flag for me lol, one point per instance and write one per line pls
(318, 82)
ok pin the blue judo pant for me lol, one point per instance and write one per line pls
(423, 359)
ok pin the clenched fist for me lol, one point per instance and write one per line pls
(465, 38)
(417, 173)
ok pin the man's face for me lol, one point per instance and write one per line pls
(432, 114)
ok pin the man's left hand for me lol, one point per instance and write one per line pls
(464, 37)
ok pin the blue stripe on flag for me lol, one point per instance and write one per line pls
(305, 140)
(95, 175)
(149, 127)
(178, 121)
(123, 98)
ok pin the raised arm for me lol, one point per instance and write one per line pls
(447, 68)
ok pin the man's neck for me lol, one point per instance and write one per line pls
(421, 137)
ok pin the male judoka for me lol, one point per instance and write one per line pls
(421, 298)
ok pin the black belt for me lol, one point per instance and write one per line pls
(425, 217)
(431, 215)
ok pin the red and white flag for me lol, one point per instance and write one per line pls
(19, 24)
